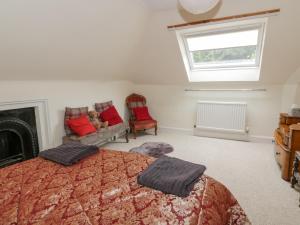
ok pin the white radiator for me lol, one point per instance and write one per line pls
(229, 117)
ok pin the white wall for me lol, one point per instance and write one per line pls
(66, 93)
(291, 91)
(289, 96)
(174, 108)
(297, 99)
(170, 105)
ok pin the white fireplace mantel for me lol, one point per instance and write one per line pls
(41, 115)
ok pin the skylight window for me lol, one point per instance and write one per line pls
(215, 49)
(230, 49)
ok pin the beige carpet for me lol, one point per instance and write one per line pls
(247, 169)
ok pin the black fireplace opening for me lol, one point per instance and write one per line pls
(18, 136)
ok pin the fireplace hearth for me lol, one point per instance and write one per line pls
(18, 136)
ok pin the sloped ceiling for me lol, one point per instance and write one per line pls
(158, 5)
(69, 39)
(124, 40)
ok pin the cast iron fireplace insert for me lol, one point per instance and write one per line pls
(18, 136)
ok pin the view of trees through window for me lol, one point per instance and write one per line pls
(225, 55)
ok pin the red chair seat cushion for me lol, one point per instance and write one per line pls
(81, 126)
(142, 113)
(111, 115)
(145, 124)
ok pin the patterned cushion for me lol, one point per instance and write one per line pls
(133, 105)
(72, 113)
(100, 107)
(136, 104)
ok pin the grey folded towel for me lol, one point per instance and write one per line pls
(171, 176)
(70, 153)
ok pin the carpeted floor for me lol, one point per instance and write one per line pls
(249, 170)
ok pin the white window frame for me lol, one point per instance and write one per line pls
(258, 27)
(246, 70)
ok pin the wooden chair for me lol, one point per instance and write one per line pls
(133, 101)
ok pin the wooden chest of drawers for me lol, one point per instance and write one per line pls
(287, 142)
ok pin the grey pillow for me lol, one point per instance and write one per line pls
(70, 153)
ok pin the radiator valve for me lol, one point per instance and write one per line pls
(247, 130)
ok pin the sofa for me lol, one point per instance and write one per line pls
(102, 135)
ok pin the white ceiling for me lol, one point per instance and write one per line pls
(157, 5)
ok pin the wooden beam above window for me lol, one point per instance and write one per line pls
(240, 16)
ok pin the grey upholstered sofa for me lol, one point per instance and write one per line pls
(103, 135)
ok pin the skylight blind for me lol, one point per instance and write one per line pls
(224, 40)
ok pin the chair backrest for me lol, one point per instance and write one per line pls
(100, 107)
(133, 101)
(73, 113)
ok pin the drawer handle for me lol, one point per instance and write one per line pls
(277, 153)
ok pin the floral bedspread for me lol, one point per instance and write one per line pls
(102, 189)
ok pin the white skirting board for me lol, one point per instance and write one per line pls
(237, 136)
(177, 130)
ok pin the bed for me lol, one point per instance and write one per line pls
(102, 189)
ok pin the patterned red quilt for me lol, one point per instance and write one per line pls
(102, 189)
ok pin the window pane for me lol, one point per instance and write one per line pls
(225, 40)
(245, 55)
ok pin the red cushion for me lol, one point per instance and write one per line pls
(111, 115)
(81, 126)
(142, 113)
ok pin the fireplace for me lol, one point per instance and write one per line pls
(18, 136)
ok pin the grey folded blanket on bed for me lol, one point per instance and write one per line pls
(171, 176)
(68, 154)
